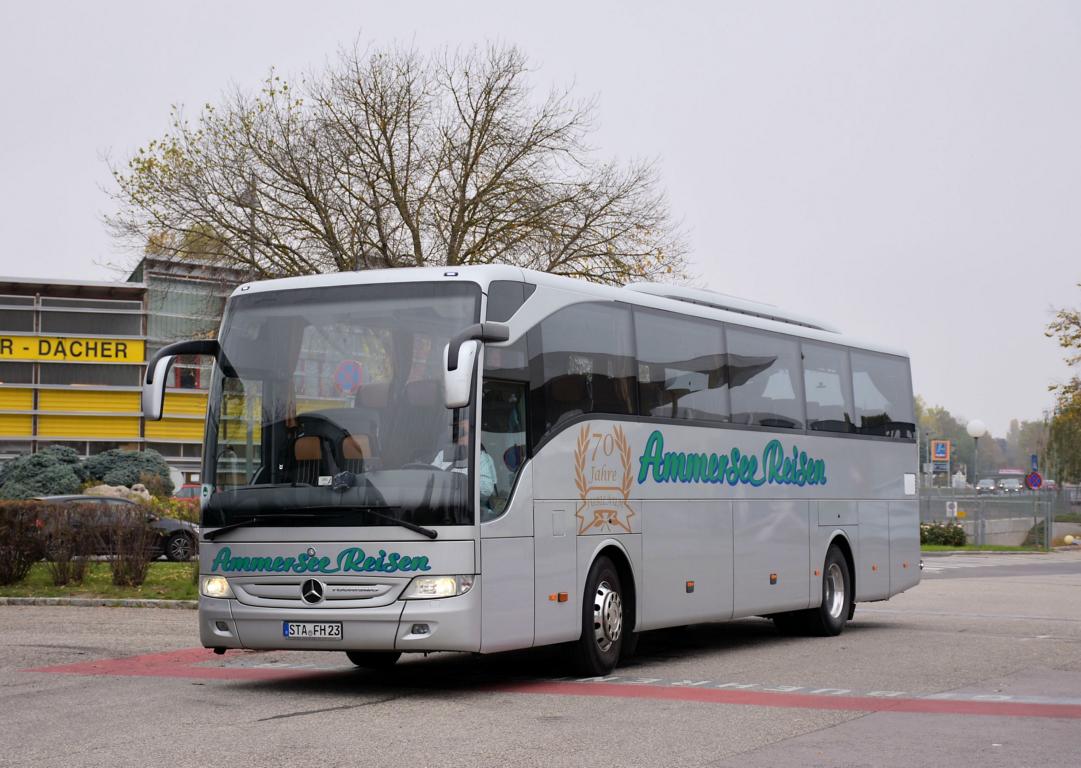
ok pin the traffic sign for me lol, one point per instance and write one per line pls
(1035, 462)
(347, 377)
(1033, 480)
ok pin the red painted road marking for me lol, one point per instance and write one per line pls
(189, 663)
(170, 664)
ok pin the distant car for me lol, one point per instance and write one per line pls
(176, 539)
(987, 485)
(188, 491)
(1010, 485)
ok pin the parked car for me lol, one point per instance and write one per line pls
(987, 485)
(177, 540)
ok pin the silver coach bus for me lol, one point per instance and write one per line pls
(487, 458)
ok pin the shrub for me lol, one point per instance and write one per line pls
(49, 472)
(131, 543)
(20, 542)
(178, 509)
(70, 535)
(948, 534)
(117, 467)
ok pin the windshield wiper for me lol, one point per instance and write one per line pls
(211, 535)
(431, 534)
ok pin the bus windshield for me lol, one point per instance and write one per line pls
(327, 408)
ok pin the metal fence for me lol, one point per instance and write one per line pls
(1037, 518)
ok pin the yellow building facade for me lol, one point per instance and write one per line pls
(72, 356)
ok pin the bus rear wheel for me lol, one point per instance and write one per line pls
(373, 659)
(828, 619)
(597, 650)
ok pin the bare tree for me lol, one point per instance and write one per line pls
(388, 158)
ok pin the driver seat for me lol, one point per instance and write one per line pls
(308, 459)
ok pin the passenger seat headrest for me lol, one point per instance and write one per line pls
(373, 395)
(356, 447)
(308, 448)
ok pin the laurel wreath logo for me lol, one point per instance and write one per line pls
(604, 515)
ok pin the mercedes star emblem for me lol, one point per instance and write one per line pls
(311, 591)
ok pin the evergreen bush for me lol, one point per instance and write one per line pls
(52, 471)
(118, 467)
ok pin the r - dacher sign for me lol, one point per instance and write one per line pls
(71, 349)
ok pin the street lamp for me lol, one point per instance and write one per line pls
(976, 429)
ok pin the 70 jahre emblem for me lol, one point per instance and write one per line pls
(603, 476)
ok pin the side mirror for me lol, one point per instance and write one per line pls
(458, 383)
(460, 357)
(157, 372)
(153, 399)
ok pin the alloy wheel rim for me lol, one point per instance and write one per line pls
(835, 590)
(180, 549)
(607, 616)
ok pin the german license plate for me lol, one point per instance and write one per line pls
(310, 630)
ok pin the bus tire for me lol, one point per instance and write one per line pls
(837, 597)
(597, 650)
(828, 619)
(373, 659)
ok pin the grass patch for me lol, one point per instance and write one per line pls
(977, 548)
(165, 581)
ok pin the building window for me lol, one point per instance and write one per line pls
(16, 373)
(14, 447)
(90, 375)
(13, 320)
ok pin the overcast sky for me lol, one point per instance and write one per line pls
(908, 171)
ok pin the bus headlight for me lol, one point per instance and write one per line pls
(215, 586)
(424, 587)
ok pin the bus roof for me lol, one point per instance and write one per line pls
(694, 302)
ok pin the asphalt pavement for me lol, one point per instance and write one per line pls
(979, 665)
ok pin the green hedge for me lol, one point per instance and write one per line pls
(947, 534)
(68, 535)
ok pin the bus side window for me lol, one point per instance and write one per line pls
(682, 370)
(765, 380)
(827, 381)
(583, 363)
(883, 393)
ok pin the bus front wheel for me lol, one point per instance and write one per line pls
(598, 649)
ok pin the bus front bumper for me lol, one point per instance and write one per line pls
(446, 624)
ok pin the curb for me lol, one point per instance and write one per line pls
(96, 602)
